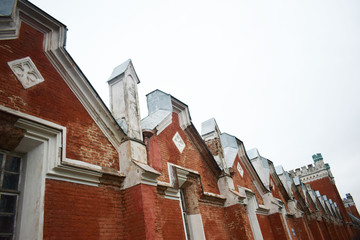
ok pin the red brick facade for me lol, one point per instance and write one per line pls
(75, 211)
(52, 100)
(108, 185)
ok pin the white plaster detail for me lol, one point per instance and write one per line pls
(57, 165)
(283, 214)
(172, 193)
(240, 170)
(9, 25)
(54, 42)
(133, 164)
(124, 102)
(26, 72)
(196, 227)
(158, 120)
(179, 143)
(254, 223)
(272, 184)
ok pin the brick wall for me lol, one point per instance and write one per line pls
(245, 180)
(324, 230)
(265, 227)
(353, 210)
(52, 100)
(213, 218)
(238, 222)
(139, 209)
(316, 230)
(278, 226)
(170, 221)
(301, 228)
(76, 211)
(189, 158)
(329, 189)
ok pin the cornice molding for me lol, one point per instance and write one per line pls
(54, 48)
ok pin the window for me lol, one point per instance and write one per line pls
(10, 168)
(184, 215)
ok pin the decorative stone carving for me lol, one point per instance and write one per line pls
(178, 142)
(26, 72)
(240, 169)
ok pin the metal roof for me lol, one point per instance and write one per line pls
(7, 7)
(208, 126)
(119, 69)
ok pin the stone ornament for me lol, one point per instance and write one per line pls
(240, 170)
(26, 72)
(179, 143)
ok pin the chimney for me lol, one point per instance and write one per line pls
(124, 101)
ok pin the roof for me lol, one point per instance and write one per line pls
(54, 48)
(208, 126)
(7, 7)
(153, 120)
(119, 69)
(252, 153)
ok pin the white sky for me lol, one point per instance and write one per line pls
(282, 76)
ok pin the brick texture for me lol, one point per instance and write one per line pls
(238, 222)
(52, 100)
(329, 189)
(213, 220)
(265, 227)
(75, 211)
(170, 219)
(278, 226)
(245, 180)
(190, 157)
(301, 228)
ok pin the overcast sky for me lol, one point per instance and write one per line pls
(282, 76)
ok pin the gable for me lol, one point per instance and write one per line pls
(64, 96)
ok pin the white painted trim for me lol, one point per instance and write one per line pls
(172, 193)
(9, 26)
(164, 124)
(196, 226)
(283, 214)
(251, 212)
(54, 41)
(182, 217)
(58, 166)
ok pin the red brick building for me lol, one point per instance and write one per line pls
(70, 168)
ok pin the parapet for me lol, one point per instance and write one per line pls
(314, 171)
(317, 157)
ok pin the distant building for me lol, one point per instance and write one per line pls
(70, 168)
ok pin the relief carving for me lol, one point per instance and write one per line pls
(26, 72)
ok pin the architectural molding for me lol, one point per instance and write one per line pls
(26, 72)
(57, 166)
(54, 42)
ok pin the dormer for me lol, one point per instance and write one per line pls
(160, 108)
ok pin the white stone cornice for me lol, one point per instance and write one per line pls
(54, 43)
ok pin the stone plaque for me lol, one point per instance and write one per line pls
(240, 169)
(26, 72)
(179, 143)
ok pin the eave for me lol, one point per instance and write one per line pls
(54, 48)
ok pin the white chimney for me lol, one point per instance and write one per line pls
(124, 100)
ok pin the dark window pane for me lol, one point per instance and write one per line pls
(12, 164)
(6, 224)
(5, 238)
(11, 181)
(1, 159)
(8, 203)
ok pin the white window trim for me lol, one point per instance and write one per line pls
(57, 165)
(44, 148)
